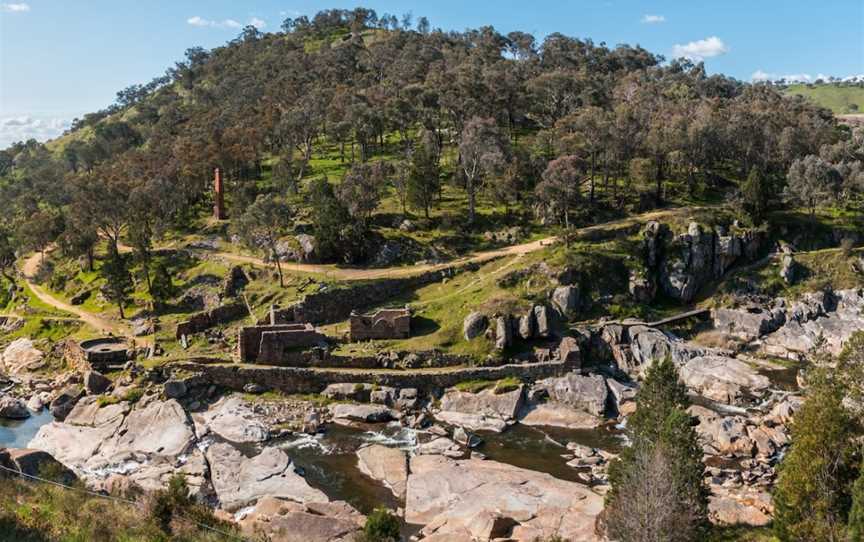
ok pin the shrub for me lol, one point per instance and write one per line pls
(382, 526)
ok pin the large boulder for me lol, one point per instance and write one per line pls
(486, 409)
(723, 435)
(648, 345)
(543, 319)
(558, 415)
(387, 465)
(570, 352)
(240, 481)
(475, 324)
(35, 463)
(748, 323)
(96, 383)
(65, 401)
(21, 356)
(586, 393)
(526, 325)
(288, 521)
(483, 500)
(503, 332)
(727, 506)
(566, 299)
(723, 379)
(233, 419)
(12, 408)
(346, 412)
(347, 391)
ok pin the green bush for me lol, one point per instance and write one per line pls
(382, 526)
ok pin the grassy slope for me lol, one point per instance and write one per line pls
(837, 98)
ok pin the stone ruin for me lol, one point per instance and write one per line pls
(103, 355)
(272, 344)
(383, 324)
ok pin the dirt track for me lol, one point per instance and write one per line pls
(104, 325)
(347, 273)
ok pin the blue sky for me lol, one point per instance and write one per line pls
(62, 58)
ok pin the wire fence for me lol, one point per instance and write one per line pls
(30, 477)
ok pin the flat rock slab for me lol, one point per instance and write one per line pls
(21, 356)
(474, 422)
(723, 379)
(234, 419)
(488, 403)
(240, 481)
(559, 415)
(288, 521)
(345, 412)
(385, 464)
(476, 499)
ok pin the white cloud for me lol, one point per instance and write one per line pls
(225, 23)
(15, 8)
(653, 19)
(22, 128)
(701, 49)
(760, 76)
(257, 23)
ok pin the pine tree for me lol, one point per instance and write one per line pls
(813, 494)
(855, 524)
(754, 196)
(657, 489)
(118, 281)
(162, 289)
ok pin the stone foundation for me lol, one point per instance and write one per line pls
(272, 344)
(205, 320)
(383, 324)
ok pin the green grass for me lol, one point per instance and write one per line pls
(740, 533)
(840, 99)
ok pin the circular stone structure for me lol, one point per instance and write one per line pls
(106, 351)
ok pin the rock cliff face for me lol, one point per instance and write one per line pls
(682, 264)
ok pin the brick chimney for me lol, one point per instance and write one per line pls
(218, 196)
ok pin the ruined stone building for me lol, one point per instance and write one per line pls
(272, 344)
(383, 324)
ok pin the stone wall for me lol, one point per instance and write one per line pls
(383, 324)
(336, 305)
(313, 380)
(271, 344)
(205, 320)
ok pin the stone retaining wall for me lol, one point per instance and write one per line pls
(313, 380)
(205, 320)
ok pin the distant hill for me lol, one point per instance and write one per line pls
(839, 98)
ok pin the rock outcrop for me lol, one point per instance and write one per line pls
(483, 500)
(723, 379)
(387, 465)
(289, 521)
(240, 481)
(22, 356)
(485, 410)
(587, 393)
(683, 264)
(233, 419)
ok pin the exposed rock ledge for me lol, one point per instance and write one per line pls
(482, 500)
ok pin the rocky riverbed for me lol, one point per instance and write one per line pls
(502, 460)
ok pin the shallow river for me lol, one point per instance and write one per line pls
(17, 433)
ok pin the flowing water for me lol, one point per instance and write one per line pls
(17, 433)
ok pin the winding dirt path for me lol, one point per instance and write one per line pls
(348, 273)
(99, 323)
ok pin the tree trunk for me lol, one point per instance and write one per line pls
(122, 313)
(472, 203)
(278, 267)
